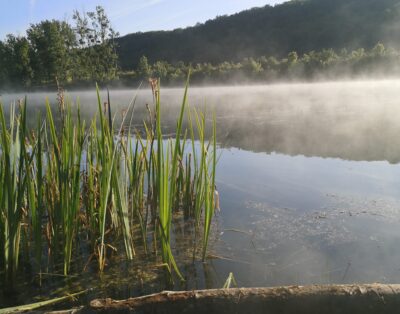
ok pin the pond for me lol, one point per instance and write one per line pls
(309, 183)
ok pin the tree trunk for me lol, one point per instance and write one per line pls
(329, 299)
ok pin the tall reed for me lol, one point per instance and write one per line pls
(67, 183)
(14, 161)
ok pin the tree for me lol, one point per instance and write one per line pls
(144, 69)
(160, 69)
(3, 65)
(54, 49)
(292, 58)
(96, 39)
(15, 61)
(252, 66)
(53, 44)
(378, 50)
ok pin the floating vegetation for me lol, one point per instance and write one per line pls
(68, 186)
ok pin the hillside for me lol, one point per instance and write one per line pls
(298, 25)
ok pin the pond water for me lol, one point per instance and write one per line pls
(309, 184)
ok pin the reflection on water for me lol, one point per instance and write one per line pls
(309, 185)
(308, 220)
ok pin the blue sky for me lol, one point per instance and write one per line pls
(127, 16)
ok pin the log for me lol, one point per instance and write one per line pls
(326, 299)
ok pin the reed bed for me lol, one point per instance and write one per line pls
(68, 186)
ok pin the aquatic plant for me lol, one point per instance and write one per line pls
(65, 184)
(65, 153)
(13, 175)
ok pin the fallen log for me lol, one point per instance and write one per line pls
(326, 299)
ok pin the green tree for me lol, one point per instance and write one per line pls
(144, 69)
(53, 44)
(15, 61)
(358, 54)
(252, 66)
(98, 58)
(160, 69)
(378, 50)
(3, 65)
(292, 58)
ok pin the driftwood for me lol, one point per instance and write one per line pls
(329, 299)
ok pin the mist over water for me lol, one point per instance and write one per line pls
(308, 176)
(355, 120)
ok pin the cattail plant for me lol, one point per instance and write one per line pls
(67, 182)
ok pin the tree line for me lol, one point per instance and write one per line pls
(56, 50)
(86, 51)
(297, 25)
(324, 64)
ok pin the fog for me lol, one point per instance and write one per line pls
(355, 120)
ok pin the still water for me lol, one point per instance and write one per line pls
(309, 184)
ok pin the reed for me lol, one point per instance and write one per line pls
(67, 183)
(13, 176)
(166, 176)
(209, 181)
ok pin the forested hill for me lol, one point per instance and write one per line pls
(298, 25)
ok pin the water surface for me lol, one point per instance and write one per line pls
(309, 180)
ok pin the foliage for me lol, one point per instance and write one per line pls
(303, 40)
(15, 61)
(51, 44)
(67, 189)
(327, 63)
(55, 50)
(97, 58)
(143, 69)
(300, 26)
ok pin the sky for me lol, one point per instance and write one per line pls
(127, 16)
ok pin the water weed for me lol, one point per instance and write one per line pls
(67, 184)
